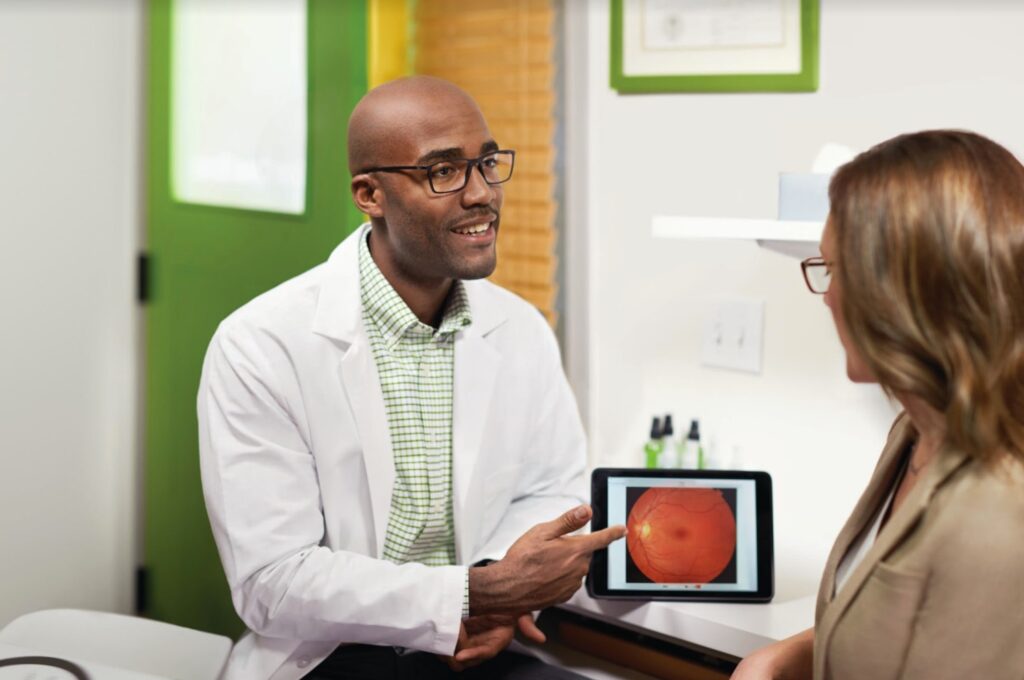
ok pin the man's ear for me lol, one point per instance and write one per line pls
(368, 195)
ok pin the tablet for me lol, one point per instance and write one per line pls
(691, 535)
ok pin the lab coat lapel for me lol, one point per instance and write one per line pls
(362, 388)
(339, 316)
(476, 371)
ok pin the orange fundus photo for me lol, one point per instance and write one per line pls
(682, 535)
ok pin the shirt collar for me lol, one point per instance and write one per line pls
(391, 315)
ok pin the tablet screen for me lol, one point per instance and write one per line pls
(689, 534)
(683, 534)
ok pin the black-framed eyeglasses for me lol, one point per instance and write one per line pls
(817, 274)
(452, 174)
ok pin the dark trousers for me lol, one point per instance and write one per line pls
(368, 662)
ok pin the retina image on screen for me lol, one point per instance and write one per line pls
(683, 534)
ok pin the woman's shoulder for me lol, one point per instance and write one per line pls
(988, 486)
(978, 514)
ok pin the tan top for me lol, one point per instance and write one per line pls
(940, 594)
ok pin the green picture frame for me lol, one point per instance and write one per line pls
(806, 80)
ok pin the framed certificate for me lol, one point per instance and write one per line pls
(714, 45)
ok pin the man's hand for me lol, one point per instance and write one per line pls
(483, 637)
(544, 567)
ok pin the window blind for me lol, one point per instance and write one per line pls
(502, 53)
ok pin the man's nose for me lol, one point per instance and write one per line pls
(477, 190)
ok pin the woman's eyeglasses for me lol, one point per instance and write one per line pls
(817, 274)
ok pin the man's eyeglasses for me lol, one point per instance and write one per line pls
(451, 175)
(817, 274)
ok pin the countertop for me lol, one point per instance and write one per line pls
(730, 629)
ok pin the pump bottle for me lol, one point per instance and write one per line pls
(693, 452)
(654, 446)
(669, 457)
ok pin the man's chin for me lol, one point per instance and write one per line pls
(476, 270)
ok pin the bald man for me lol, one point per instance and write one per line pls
(392, 459)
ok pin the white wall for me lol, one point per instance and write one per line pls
(70, 190)
(886, 67)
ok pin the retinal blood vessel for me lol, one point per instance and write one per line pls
(681, 535)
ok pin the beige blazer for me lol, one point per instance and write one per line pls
(941, 592)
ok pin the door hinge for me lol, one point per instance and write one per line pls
(141, 590)
(142, 282)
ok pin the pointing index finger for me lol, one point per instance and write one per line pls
(599, 539)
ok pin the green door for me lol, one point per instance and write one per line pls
(207, 261)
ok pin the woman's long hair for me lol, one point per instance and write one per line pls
(930, 235)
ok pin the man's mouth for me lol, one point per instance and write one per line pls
(478, 230)
(473, 229)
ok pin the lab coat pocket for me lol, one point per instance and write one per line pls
(872, 637)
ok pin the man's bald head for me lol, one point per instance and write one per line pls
(398, 114)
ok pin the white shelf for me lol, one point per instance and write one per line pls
(791, 237)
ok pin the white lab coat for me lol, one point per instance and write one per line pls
(297, 466)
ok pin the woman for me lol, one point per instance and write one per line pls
(922, 267)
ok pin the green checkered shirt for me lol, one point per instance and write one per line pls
(416, 364)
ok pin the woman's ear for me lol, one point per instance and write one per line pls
(367, 194)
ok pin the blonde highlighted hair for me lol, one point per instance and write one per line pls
(929, 232)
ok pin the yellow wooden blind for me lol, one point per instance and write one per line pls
(502, 53)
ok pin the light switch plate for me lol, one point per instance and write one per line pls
(734, 335)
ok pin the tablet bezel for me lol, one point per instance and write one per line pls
(597, 578)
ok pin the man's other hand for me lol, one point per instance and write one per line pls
(484, 637)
